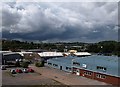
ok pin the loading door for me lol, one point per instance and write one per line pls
(77, 72)
(60, 67)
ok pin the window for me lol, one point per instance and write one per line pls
(100, 76)
(101, 68)
(78, 70)
(84, 65)
(88, 73)
(68, 68)
(76, 63)
(55, 65)
(49, 63)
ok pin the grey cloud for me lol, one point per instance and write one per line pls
(9, 17)
(60, 21)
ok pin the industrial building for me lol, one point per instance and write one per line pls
(82, 54)
(11, 56)
(49, 55)
(36, 50)
(102, 68)
(78, 54)
(62, 63)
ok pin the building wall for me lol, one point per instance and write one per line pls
(60, 66)
(87, 74)
(102, 77)
(12, 57)
(109, 79)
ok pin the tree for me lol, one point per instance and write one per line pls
(17, 64)
(24, 64)
(39, 64)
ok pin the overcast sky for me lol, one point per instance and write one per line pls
(60, 21)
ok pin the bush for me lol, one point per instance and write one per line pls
(24, 64)
(17, 64)
(39, 64)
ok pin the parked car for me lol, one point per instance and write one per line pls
(13, 71)
(25, 70)
(30, 70)
(3, 68)
(18, 70)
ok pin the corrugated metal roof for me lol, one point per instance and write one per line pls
(63, 60)
(91, 62)
(49, 54)
(22, 53)
(5, 51)
(66, 53)
(10, 53)
(110, 62)
(81, 53)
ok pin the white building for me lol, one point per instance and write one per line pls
(82, 54)
(50, 54)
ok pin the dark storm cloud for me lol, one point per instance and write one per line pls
(60, 21)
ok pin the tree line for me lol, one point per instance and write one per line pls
(104, 47)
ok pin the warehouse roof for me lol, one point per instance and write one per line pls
(63, 60)
(13, 53)
(91, 62)
(50, 54)
(36, 50)
(22, 53)
(10, 53)
(82, 53)
(66, 53)
(5, 51)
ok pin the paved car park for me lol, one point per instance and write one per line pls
(26, 79)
